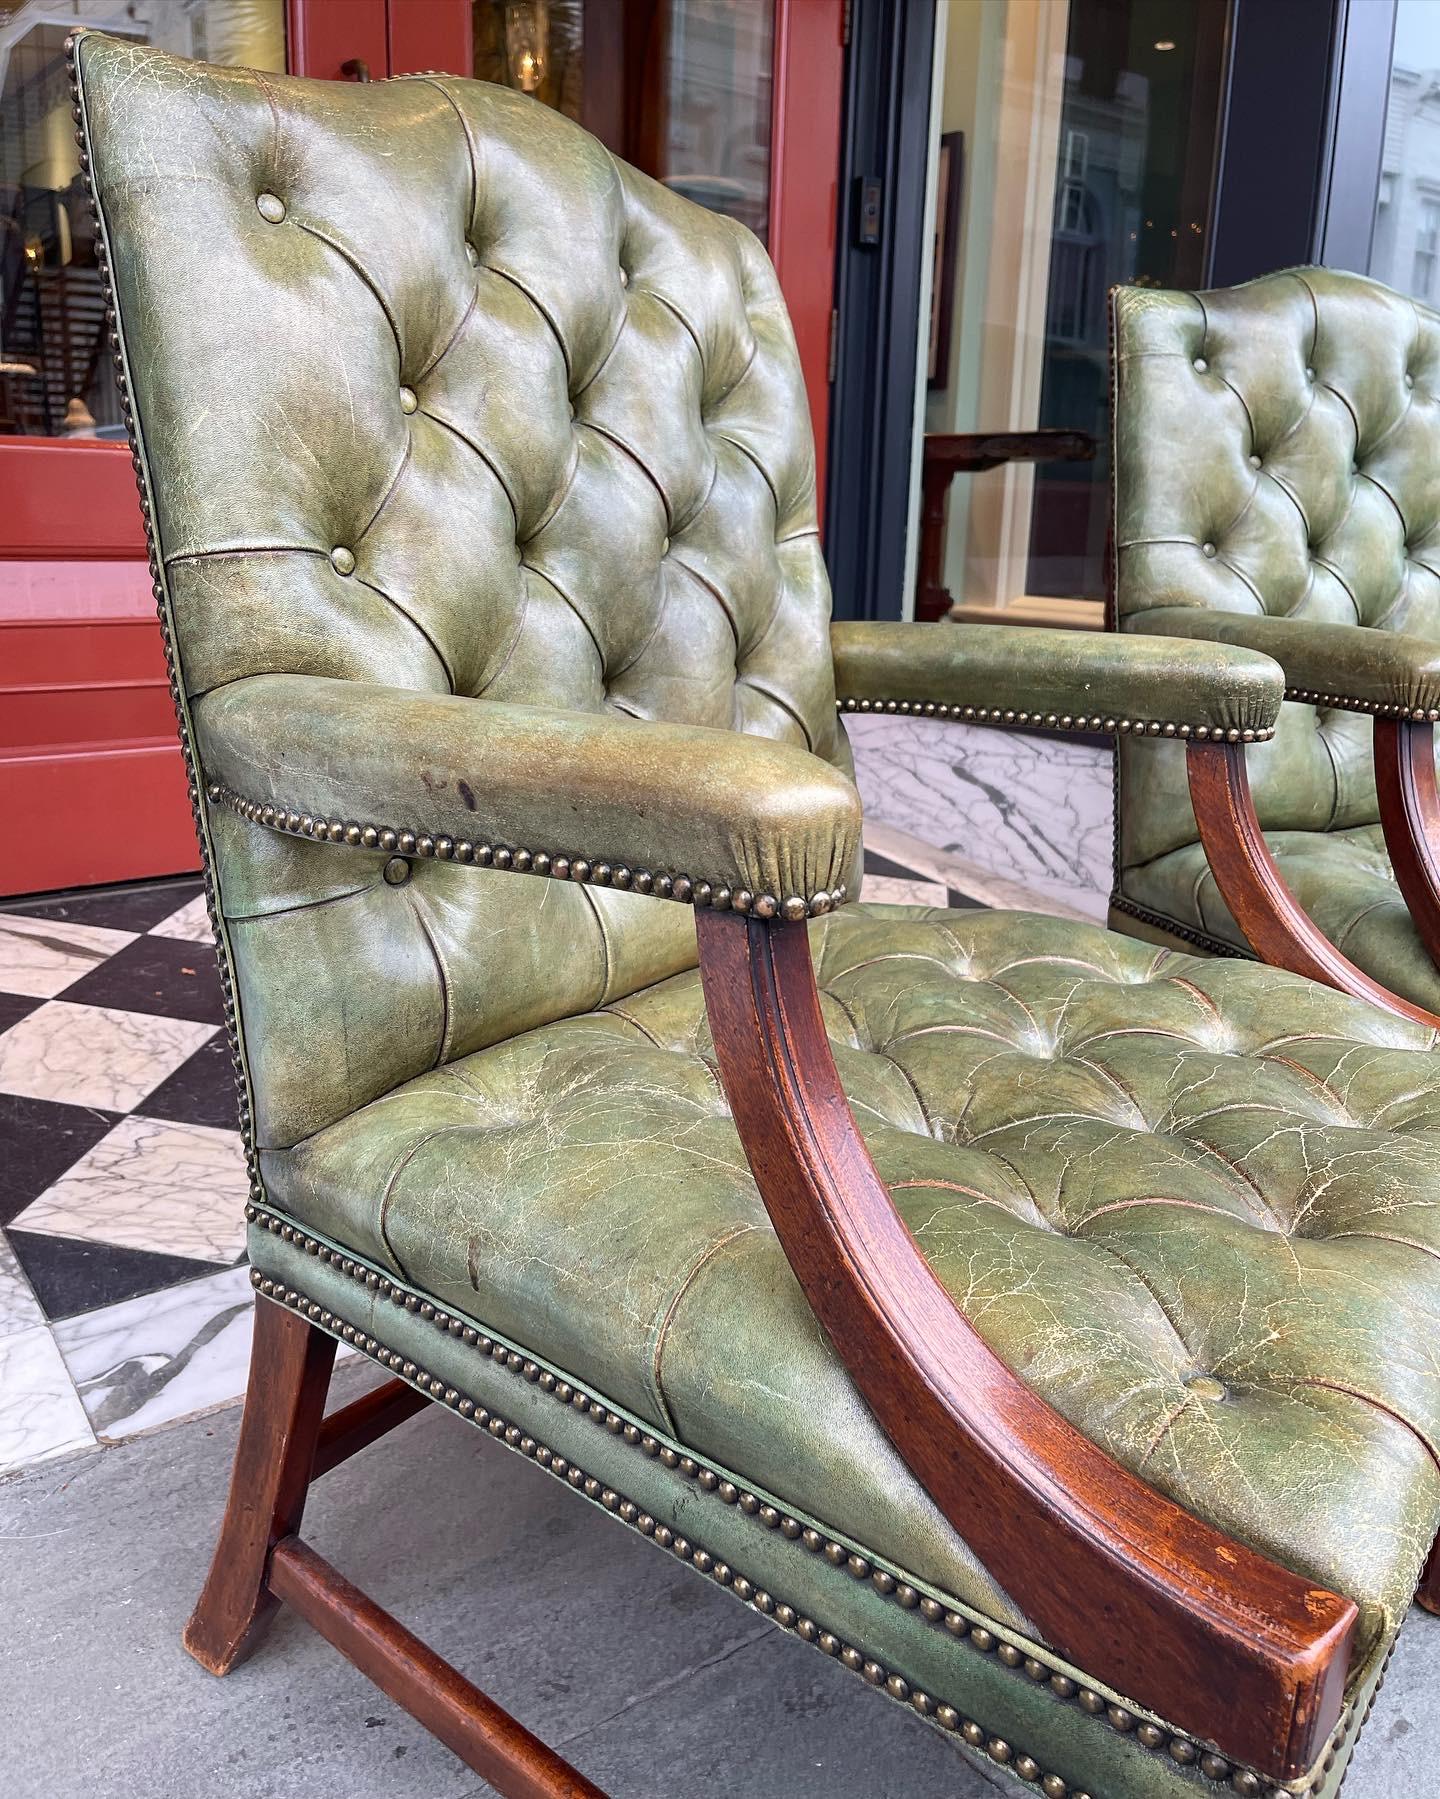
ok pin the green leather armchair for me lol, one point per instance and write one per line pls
(1040, 1323)
(1274, 482)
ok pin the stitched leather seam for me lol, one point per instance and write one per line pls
(415, 624)
(454, 337)
(328, 899)
(752, 459)
(1379, 1405)
(605, 956)
(470, 444)
(349, 257)
(395, 480)
(697, 1267)
(778, 699)
(613, 437)
(555, 331)
(429, 80)
(442, 1052)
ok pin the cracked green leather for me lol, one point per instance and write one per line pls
(1137, 1173)
(1386, 671)
(742, 811)
(932, 1654)
(433, 398)
(1274, 455)
(1060, 673)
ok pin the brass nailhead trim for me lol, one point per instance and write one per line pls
(716, 894)
(1344, 702)
(1147, 1733)
(1187, 933)
(157, 589)
(1060, 721)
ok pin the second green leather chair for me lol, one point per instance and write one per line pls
(1277, 485)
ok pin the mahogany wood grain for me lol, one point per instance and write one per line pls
(498, 1747)
(1199, 1628)
(1429, 1593)
(1410, 819)
(355, 1426)
(1251, 884)
(290, 1364)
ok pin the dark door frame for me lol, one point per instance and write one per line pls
(883, 233)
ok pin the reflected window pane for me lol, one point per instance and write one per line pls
(680, 88)
(1085, 138)
(56, 377)
(1405, 244)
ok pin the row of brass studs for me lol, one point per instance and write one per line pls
(717, 895)
(1188, 933)
(112, 320)
(1060, 721)
(1148, 1734)
(1344, 702)
(786, 1616)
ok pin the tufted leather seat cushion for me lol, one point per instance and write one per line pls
(1192, 1203)
(1276, 454)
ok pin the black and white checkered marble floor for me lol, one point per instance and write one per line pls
(124, 1299)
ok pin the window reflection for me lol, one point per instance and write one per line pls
(56, 377)
(1405, 247)
(680, 88)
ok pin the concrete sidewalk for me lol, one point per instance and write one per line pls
(653, 1682)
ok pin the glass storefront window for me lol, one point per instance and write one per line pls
(680, 88)
(56, 378)
(1086, 135)
(1405, 245)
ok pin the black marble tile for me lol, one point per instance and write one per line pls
(133, 908)
(201, 1090)
(876, 864)
(959, 901)
(39, 1140)
(14, 1006)
(72, 1274)
(159, 975)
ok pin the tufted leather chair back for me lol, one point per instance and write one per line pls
(1277, 450)
(433, 392)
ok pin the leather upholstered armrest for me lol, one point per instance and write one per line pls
(1350, 666)
(705, 816)
(1058, 679)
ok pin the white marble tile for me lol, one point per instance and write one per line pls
(40, 1412)
(19, 1308)
(178, 1189)
(94, 1055)
(40, 957)
(1033, 810)
(963, 875)
(891, 890)
(161, 1356)
(191, 922)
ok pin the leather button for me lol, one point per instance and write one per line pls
(342, 560)
(1409, 381)
(1255, 462)
(472, 255)
(1207, 549)
(1201, 365)
(665, 547)
(397, 871)
(1309, 374)
(1205, 1386)
(270, 207)
(624, 277)
(408, 400)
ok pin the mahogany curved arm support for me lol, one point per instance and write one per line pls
(1410, 819)
(1197, 1627)
(1250, 883)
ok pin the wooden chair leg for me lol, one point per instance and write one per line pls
(1410, 818)
(284, 1403)
(1429, 1594)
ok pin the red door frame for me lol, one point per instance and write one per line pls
(88, 758)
